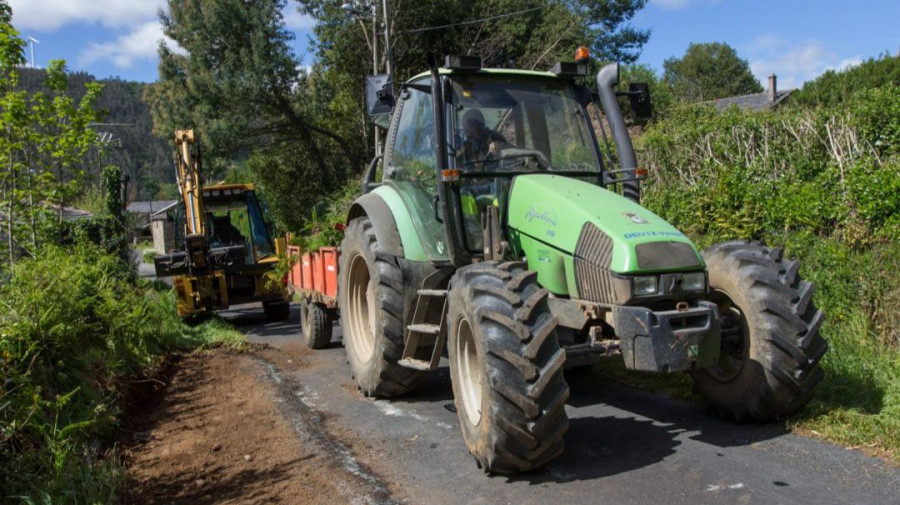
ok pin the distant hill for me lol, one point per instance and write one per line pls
(144, 157)
(834, 87)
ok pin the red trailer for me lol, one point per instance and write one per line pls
(313, 279)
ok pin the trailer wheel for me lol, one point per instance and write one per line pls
(277, 311)
(316, 324)
(370, 294)
(771, 346)
(506, 367)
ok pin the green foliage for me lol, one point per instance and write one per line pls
(324, 228)
(112, 184)
(837, 86)
(76, 335)
(71, 324)
(45, 136)
(740, 174)
(708, 71)
(660, 93)
(246, 99)
(824, 183)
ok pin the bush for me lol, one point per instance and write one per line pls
(824, 183)
(751, 174)
(72, 326)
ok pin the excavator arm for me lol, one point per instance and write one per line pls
(187, 168)
(195, 258)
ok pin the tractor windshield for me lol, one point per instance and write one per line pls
(505, 125)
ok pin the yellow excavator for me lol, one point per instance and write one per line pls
(228, 248)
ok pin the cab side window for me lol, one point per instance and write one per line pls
(413, 155)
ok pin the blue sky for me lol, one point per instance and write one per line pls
(796, 39)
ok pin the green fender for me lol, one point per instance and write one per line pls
(391, 221)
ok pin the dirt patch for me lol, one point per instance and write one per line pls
(218, 436)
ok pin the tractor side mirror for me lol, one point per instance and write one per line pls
(379, 95)
(639, 96)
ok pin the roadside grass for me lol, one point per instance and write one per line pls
(78, 332)
(857, 404)
(216, 332)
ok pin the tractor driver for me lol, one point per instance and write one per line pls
(481, 146)
(481, 143)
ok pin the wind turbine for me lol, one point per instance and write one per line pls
(33, 41)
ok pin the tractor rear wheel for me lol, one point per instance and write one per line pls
(316, 324)
(506, 367)
(370, 292)
(771, 346)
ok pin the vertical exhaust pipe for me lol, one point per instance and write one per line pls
(607, 79)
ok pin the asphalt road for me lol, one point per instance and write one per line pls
(623, 446)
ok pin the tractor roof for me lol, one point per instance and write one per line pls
(490, 71)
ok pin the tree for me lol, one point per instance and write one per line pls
(838, 86)
(237, 83)
(43, 139)
(708, 71)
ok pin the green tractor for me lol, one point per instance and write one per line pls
(499, 235)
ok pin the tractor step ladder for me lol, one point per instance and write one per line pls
(425, 339)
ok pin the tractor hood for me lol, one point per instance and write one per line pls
(598, 226)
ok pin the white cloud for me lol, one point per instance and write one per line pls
(49, 15)
(140, 44)
(680, 4)
(293, 20)
(793, 64)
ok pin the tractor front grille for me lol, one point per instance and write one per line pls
(593, 254)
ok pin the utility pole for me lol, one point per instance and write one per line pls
(387, 39)
(374, 8)
(33, 41)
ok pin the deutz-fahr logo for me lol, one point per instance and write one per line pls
(636, 219)
(547, 216)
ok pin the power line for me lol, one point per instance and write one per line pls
(490, 18)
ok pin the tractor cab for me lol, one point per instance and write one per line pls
(498, 125)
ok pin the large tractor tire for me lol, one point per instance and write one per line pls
(506, 367)
(771, 346)
(277, 311)
(370, 293)
(316, 324)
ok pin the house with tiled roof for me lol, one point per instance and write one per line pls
(770, 98)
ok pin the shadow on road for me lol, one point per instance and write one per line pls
(645, 433)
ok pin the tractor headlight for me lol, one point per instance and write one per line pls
(643, 286)
(695, 281)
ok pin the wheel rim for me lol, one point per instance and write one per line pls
(468, 372)
(735, 337)
(361, 309)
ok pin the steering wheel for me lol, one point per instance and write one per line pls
(509, 155)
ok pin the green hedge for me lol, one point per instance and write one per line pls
(825, 184)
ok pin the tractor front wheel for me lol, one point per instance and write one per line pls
(506, 367)
(371, 299)
(771, 346)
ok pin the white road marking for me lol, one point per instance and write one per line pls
(392, 410)
(710, 488)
